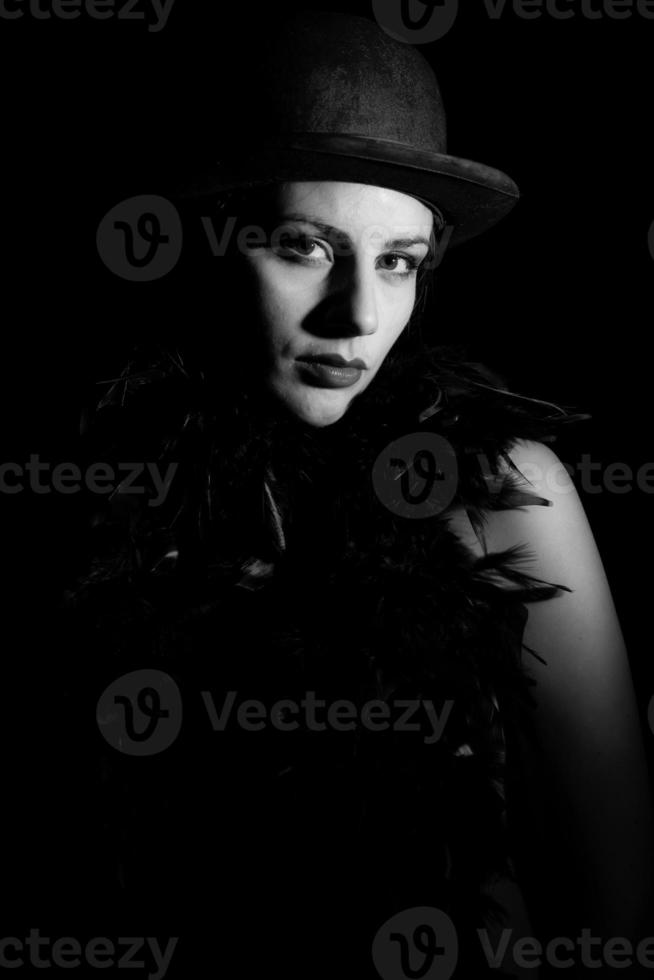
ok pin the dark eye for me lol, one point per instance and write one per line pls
(299, 243)
(301, 246)
(389, 263)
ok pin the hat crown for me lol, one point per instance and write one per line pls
(340, 73)
(331, 96)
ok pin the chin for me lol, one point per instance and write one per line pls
(318, 407)
(319, 416)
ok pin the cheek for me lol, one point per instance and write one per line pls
(282, 304)
(399, 310)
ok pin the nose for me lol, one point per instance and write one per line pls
(356, 307)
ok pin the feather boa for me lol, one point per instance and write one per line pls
(273, 569)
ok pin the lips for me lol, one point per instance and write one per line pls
(334, 360)
(330, 370)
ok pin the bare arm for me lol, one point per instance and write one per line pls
(588, 774)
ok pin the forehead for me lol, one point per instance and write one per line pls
(351, 206)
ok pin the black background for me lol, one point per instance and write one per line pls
(557, 297)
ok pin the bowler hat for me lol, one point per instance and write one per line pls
(331, 96)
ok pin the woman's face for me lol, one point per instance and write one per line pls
(336, 280)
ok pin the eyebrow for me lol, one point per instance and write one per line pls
(331, 230)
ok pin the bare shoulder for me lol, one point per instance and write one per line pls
(586, 680)
(558, 537)
(541, 472)
(587, 717)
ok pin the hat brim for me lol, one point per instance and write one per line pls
(471, 196)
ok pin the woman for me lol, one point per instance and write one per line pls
(363, 515)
